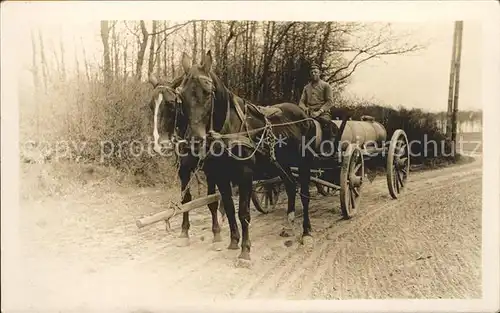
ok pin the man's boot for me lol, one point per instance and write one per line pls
(326, 128)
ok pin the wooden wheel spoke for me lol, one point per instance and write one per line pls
(356, 192)
(396, 180)
(352, 199)
(356, 169)
(401, 162)
(399, 178)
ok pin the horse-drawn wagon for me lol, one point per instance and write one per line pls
(203, 110)
(359, 140)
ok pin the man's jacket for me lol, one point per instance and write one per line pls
(317, 96)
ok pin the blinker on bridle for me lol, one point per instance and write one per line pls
(178, 111)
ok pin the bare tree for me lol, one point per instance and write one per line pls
(85, 60)
(195, 43)
(34, 66)
(106, 54)
(152, 51)
(43, 60)
(116, 51)
(143, 43)
(63, 64)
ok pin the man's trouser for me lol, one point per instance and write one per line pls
(325, 119)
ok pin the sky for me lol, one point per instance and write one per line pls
(421, 80)
(416, 80)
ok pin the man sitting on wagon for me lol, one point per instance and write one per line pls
(317, 101)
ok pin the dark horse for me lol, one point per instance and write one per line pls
(169, 131)
(221, 121)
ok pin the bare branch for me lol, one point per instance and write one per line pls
(175, 27)
(131, 31)
(331, 80)
(173, 30)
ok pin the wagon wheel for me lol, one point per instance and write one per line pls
(266, 197)
(351, 180)
(398, 163)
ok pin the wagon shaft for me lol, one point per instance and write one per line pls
(320, 181)
(170, 212)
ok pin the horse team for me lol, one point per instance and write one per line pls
(197, 109)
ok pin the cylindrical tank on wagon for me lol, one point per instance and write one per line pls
(362, 132)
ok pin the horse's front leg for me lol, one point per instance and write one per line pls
(213, 207)
(291, 190)
(224, 185)
(304, 179)
(245, 191)
(185, 175)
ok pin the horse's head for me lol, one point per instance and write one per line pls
(167, 115)
(198, 93)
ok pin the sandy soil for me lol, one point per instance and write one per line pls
(80, 248)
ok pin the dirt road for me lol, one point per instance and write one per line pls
(82, 248)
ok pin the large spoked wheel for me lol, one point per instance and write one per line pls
(398, 163)
(266, 197)
(351, 180)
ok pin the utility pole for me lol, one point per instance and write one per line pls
(453, 92)
(459, 27)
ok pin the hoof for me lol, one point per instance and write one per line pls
(217, 238)
(182, 242)
(233, 246)
(308, 242)
(217, 246)
(243, 263)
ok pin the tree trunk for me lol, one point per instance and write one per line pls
(195, 44)
(44, 62)
(142, 50)
(158, 55)
(105, 43)
(203, 31)
(85, 60)
(34, 68)
(266, 61)
(151, 61)
(172, 59)
(63, 64)
(125, 61)
(324, 44)
(116, 52)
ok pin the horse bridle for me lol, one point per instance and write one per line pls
(176, 138)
